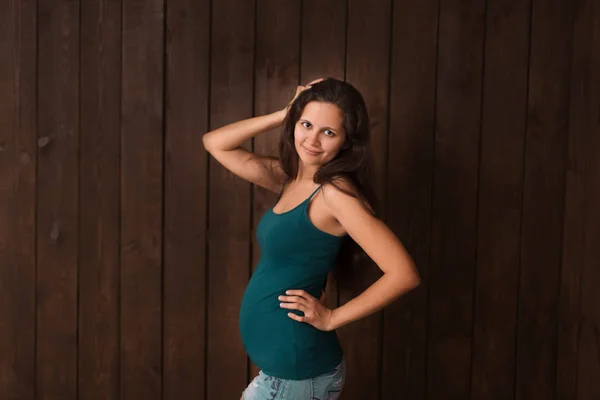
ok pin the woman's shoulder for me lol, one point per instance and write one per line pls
(340, 186)
(340, 191)
(343, 192)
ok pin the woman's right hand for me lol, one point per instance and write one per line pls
(299, 90)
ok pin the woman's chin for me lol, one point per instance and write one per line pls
(306, 160)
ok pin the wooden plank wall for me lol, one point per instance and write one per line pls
(125, 249)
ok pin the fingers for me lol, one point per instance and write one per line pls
(309, 85)
(297, 300)
(300, 89)
(295, 306)
(295, 317)
(314, 311)
(295, 303)
(315, 81)
(297, 292)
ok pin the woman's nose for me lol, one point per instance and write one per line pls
(313, 139)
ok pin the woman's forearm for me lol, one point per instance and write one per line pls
(381, 293)
(232, 136)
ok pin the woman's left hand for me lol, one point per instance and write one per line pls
(315, 312)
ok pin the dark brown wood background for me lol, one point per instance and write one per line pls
(125, 250)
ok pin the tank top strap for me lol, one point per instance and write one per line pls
(314, 192)
(304, 203)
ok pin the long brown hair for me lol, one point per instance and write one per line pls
(353, 163)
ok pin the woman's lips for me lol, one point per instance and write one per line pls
(311, 152)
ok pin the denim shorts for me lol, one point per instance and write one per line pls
(323, 387)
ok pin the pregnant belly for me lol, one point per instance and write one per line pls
(281, 346)
(267, 334)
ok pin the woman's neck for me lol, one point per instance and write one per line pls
(305, 173)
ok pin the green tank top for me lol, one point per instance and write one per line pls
(294, 254)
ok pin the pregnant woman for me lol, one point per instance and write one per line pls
(325, 200)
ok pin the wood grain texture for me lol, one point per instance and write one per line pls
(99, 194)
(454, 215)
(543, 199)
(18, 162)
(57, 199)
(323, 39)
(574, 219)
(409, 186)
(588, 371)
(141, 199)
(186, 174)
(500, 199)
(229, 206)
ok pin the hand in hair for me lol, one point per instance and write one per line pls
(299, 90)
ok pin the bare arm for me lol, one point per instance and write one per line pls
(380, 243)
(224, 144)
(382, 246)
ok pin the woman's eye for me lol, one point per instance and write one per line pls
(329, 133)
(306, 124)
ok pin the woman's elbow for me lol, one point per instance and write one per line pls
(206, 142)
(415, 281)
(412, 279)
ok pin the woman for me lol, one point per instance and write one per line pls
(325, 198)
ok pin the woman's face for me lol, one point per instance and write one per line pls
(319, 133)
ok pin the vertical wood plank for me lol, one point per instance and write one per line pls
(574, 219)
(500, 199)
(323, 47)
(57, 199)
(229, 199)
(588, 371)
(141, 199)
(276, 77)
(410, 168)
(323, 53)
(185, 199)
(17, 198)
(367, 68)
(98, 359)
(543, 195)
(454, 218)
